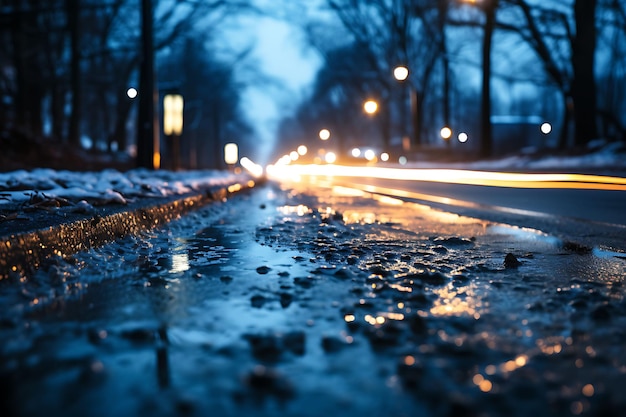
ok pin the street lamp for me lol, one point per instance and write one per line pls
(446, 133)
(401, 73)
(370, 107)
(173, 123)
(132, 93)
(546, 128)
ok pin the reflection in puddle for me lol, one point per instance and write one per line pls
(355, 217)
(180, 261)
(300, 210)
(452, 301)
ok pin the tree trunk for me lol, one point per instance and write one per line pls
(147, 133)
(73, 22)
(443, 12)
(19, 59)
(486, 140)
(58, 118)
(567, 117)
(416, 117)
(584, 84)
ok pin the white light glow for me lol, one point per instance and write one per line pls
(132, 92)
(324, 134)
(446, 132)
(546, 128)
(370, 155)
(384, 156)
(231, 153)
(330, 157)
(370, 107)
(401, 73)
(356, 152)
(173, 114)
(302, 150)
(463, 137)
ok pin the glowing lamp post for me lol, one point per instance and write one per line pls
(173, 123)
(401, 74)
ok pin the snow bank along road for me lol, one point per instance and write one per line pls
(47, 213)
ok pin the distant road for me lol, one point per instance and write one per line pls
(590, 209)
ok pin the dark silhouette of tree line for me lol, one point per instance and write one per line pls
(66, 66)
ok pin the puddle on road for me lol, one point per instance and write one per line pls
(292, 304)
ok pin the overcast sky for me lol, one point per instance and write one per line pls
(280, 52)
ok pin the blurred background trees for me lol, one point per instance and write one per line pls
(66, 66)
(492, 70)
(560, 62)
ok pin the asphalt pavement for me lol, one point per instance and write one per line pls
(304, 301)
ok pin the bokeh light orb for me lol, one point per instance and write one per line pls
(356, 152)
(330, 157)
(401, 73)
(445, 132)
(546, 128)
(384, 156)
(324, 134)
(370, 107)
(132, 92)
(463, 137)
(302, 150)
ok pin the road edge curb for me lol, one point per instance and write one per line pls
(25, 252)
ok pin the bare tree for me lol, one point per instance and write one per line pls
(564, 37)
(86, 51)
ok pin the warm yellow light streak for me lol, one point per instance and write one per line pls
(467, 177)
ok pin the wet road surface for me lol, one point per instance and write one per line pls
(304, 302)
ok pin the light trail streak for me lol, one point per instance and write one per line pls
(446, 201)
(454, 176)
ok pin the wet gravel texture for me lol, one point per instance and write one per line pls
(302, 303)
